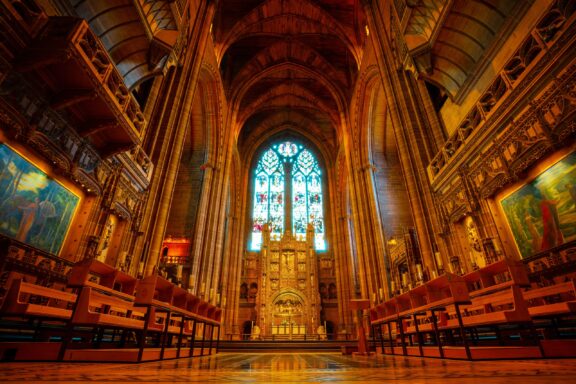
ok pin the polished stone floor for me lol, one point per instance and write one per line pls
(297, 368)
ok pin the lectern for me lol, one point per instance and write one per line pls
(358, 305)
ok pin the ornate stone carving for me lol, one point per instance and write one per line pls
(454, 200)
(542, 127)
(511, 85)
(289, 294)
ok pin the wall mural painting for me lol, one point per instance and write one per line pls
(542, 214)
(34, 208)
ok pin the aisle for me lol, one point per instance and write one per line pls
(297, 368)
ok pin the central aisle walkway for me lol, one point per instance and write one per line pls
(297, 368)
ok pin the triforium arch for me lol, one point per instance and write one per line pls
(366, 224)
(378, 154)
(197, 203)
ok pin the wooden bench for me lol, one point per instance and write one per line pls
(487, 319)
(548, 306)
(420, 312)
(428, 303)
(496, 308)
(496, 277)
(160, 296)
(496, 303)
(54, 304)
(102, 277)
(102, 310)
(552, 301)
(39, 304)
(501, 307)
(496, 297)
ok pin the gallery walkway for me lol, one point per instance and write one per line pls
(297, 368)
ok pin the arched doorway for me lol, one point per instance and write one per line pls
(289, 315)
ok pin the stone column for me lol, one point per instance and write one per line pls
(165, 178)
(416, 144)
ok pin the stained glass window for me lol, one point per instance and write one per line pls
(307, 200)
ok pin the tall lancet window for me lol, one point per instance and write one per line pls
(284, 163)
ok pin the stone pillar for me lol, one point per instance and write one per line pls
(416, 144)
(177, 115)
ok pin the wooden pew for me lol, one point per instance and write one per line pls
(213, 320)
(388, 315)
(32, 302)
(385, 314)
(102, 310)
(431, 310)
(192, 305)
(548, 306)
(496, 303)
(102, 277)
(419, 312)
(496, 295)
(428, 303)
(552, 301)
(105, 307)
(193, 314)
(502, 307)
(497, 276)
(56, 304)
(159, 295)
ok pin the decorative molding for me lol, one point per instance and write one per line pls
(525, 74)
(549, 123)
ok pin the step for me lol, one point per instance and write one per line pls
(271, 346)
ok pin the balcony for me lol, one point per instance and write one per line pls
(20, 21)
(138, 167)
(82, 83)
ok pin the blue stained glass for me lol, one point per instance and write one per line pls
(307, 200)
(287, 149)
(269, 162)
(306, 162)
(299, 209)
(276, 214)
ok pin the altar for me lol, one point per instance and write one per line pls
(288, 329)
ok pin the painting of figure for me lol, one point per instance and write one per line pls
(542, 213)
(34, 208)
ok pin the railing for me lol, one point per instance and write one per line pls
(97, 59)
(293, 338)
(27, 14)
(179, 260)
(83, 80)
(554, 262)
(138, 165)
(20, 22)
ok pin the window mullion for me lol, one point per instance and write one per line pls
(268, 201)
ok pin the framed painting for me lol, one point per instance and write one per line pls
(34, 208)
(542, 213)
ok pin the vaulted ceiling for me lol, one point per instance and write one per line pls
(288, 63)
(139, 34)
(293, 64)
(451, 41)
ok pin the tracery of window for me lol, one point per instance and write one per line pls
(307, 199)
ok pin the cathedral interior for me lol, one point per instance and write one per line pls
(365, 188)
